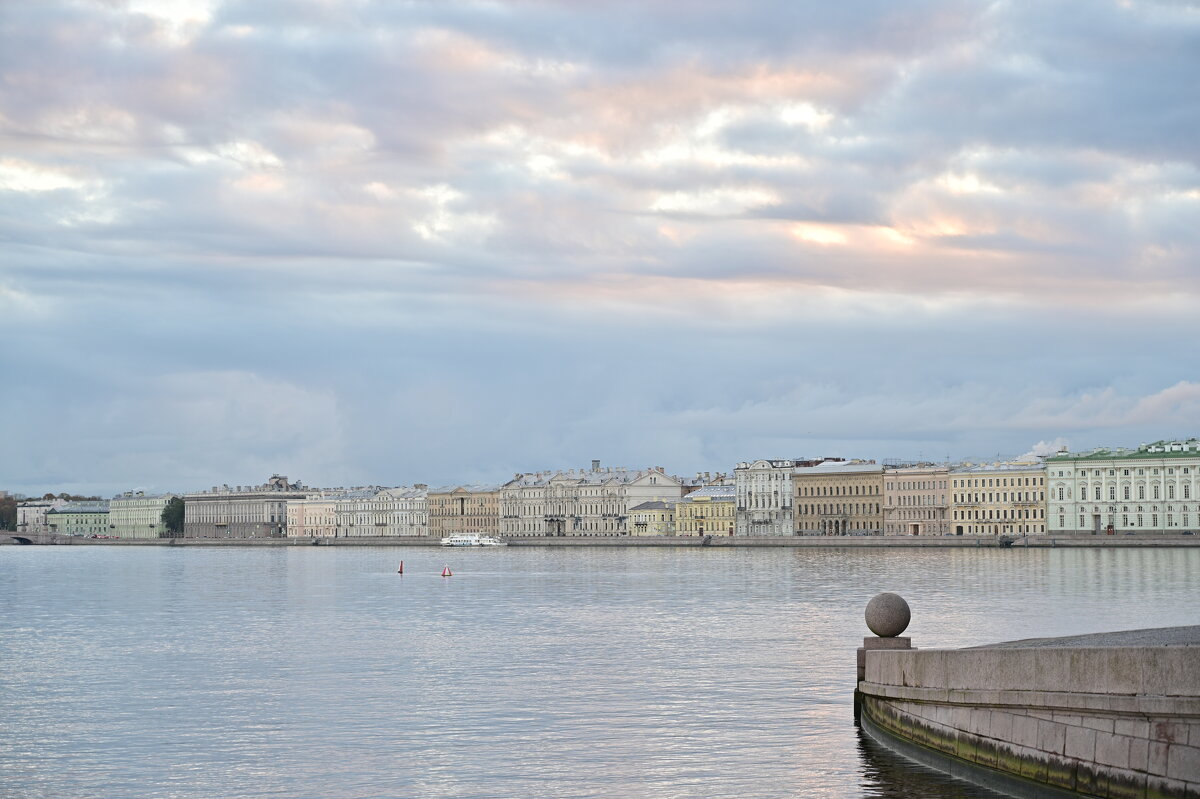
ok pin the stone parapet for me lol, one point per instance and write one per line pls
(1047, 720)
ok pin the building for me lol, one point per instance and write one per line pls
(839, 498)
(765, 494)
(382, 512)
(916, 500)
(31, 514)
(998, 499)
(1151, 489)
(592, 501)
(464, 509)
(315, 516)
(85, 518)
(135, 514)
(711, 510)
(656, 517)
(241, 512)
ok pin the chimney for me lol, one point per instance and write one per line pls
(595, 465)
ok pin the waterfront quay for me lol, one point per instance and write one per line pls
(794, 542)
(1102, 715)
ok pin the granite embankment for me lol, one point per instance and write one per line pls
(1108, 715)
(844, 542)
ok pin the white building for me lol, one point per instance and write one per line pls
(31, 514)
(594, 501)
(135, 514)
(383, 512)
(241, 512)
(765, 495)
(1152, 489)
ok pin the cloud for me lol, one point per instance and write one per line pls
(508, 232)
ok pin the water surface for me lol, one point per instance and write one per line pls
(319, 672)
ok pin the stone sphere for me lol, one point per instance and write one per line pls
(888, 615)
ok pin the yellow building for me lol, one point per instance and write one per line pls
(836, 498)
(464, 509)
(656, 517)
(707, 511)
(998, 499)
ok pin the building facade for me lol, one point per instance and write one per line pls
(85, 519)
(839, 499)
(1151, 489)
(916, 500)
(315, 516)
(711, 510)
(135, 514)
(464, 509)
(593, 502)
(998, 499)
(383, 512)
(656, 517)
(765, 495)
(31, 514)
(241, 512)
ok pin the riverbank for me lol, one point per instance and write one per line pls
(796, 542)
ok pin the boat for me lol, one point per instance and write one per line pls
(472, 540)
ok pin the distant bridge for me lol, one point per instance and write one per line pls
(9, 537)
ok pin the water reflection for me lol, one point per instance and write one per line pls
(887, 775)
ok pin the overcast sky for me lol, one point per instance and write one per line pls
(378, 242)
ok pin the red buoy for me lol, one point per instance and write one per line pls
(446, 572)
(401, 569)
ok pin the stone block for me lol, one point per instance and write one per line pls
(1098, 724)
(1173, 671)
(1051, 736)
(1157, 760)
(1001, 725)
(1080, 742)
(1162, 787)
(872, 643)
(1169, 731)
(1122, 671)
(961, 718)
(1139, 753)
(1112, 750)
(1025, 731)
(1135, 728)
(1070, 719)
(1183, 763)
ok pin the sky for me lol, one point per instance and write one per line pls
(444, 242)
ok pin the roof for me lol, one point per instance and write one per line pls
(1189, 448)
(477, 488)
(713, 492)
(82, 507)
(837, 467)
(654, 504)
(995, 468)
(605, 476)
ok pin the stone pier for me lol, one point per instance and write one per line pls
(1108, 715)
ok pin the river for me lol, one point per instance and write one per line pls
(582, 672)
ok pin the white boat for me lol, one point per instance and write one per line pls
(472, 540)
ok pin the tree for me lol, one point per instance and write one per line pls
(172, 517)
(8, 513)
